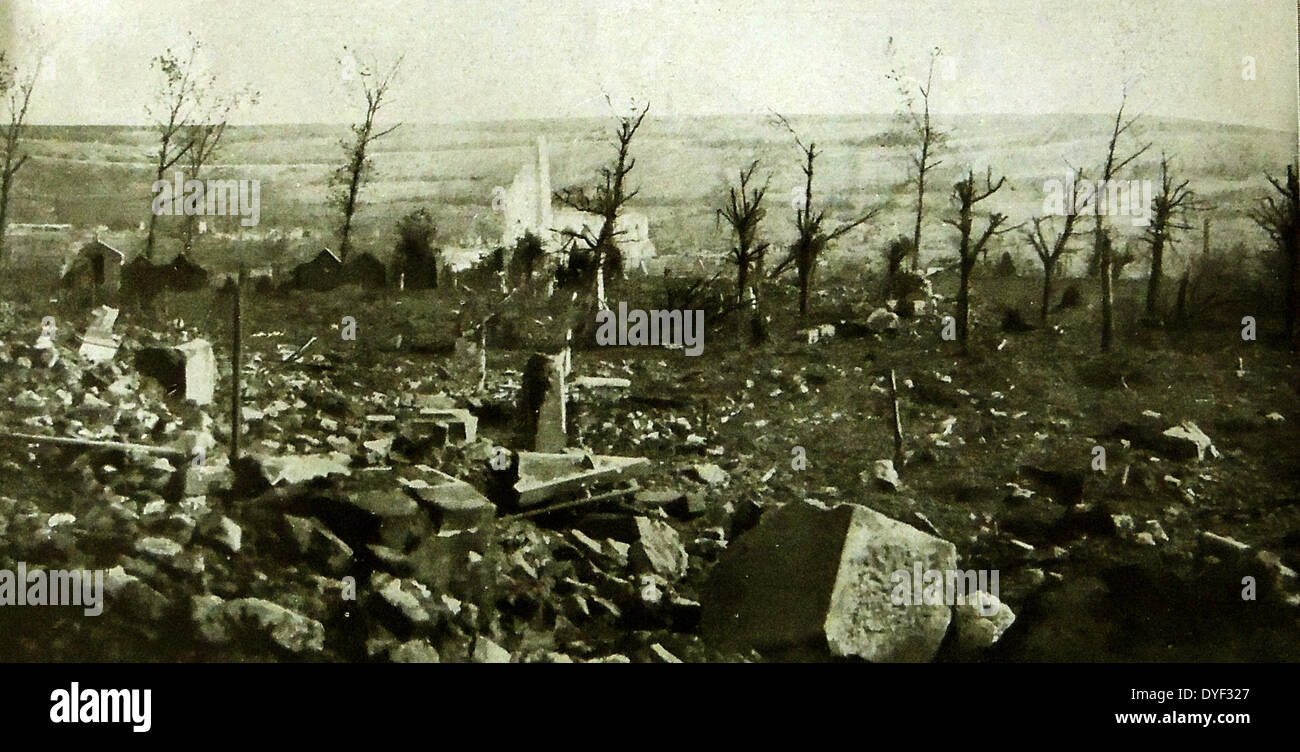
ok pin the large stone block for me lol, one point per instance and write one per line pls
(818, 579)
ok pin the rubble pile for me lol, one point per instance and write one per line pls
(564, 509)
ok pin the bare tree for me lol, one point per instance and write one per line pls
(355, 172)
(172, 113)
(926, 138)
(1280, 217)
(743, 212)
(1169, 210)
(965, 193)
(812, 237)
(17, 90)
(606, 201)
(1050, 254)
(204, 136)
(1102, 246)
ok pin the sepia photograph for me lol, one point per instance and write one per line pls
(652, 331)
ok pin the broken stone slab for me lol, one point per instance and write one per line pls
(546, 475)
(825, 579)
(319, 543)
(414, 651)
(707, 472)
(453, 503)
(1188, 441)
(586, 388)
(288, 629)
(677, 503)
(658, 549)
(98, 344)
(288, 470)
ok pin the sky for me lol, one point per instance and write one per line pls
(1231, 61)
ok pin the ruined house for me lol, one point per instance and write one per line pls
(323, 272)
(96, 267)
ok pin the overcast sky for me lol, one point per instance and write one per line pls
(502, 59)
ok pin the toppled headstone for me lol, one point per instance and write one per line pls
(98, 344)
(543, 476)
(822, 579)
(599, 387)
(188, 370)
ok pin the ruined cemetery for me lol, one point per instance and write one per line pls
(632, 383)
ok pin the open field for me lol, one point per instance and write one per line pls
(91, 176)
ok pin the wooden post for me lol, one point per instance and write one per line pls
(898, 421)
(236, 378)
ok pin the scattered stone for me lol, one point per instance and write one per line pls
(709, 473)
(658, 549)
(980, 621)
(163, 549)
(1189, 442)
(884, 475)
(288, 629)
(414, 651)
(882, 320)
(487, 651)
(662, 654)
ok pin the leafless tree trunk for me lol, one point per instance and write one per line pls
(1102, 245)
(743, 212)
(204, 136)
(349, 179)
(1280, 217)
(812, 239)
(967, 196)
(1049, 255)
(172, 115)
(928, 140)
(1168, 213)
(17, 90)
(606, 201)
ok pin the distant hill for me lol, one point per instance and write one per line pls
(88, 175)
